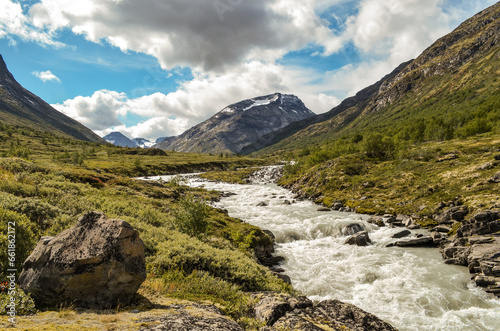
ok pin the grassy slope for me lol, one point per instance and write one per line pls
(451, 91)
(193, 251)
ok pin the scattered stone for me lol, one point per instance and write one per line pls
(486, 166)
(352, 228)
(287, 202)
(456, 213)
(483, 222)
(390, 218)
(495, 178)
(401, 234)
(422, 241)
(272, 261)
(448, 157)
(262, 204)
(377, 220)
(497, 157)
(359, 239)
(337, 205)
(440, 228)
(98, 263)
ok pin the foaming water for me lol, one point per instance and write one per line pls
(411, 288)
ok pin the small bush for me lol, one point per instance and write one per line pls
(23, 302)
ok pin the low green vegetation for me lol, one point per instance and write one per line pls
(193, 251)
(380, 176)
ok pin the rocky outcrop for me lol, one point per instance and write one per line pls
(191, 318)
(452, 214)
(358, 239)
(97, 263)
(477, 246)
(284, 312)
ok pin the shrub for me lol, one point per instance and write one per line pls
(23, 301)
(26, 236)
(191, 217)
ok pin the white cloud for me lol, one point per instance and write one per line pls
(193, 33)
(195, 100)
(46, 76)
(13, 23)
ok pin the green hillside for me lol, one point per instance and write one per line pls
(451, 91)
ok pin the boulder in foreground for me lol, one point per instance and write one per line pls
(98, 263)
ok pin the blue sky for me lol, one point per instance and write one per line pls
(155, 68)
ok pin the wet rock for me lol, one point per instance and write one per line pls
(390, 218)
(287, 202)
(377, 220)
(452, 214)
(337, 205)
(272, 260)
(483, 222)
(324, 209)
(97, 263)
(422, 241)
(359, 239)
(441, 228)
(262, 204)
(194, 317)
(401, 234)
(352, 228)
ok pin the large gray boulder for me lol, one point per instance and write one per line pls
(97, 263)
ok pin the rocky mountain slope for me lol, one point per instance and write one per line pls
(18, 106)
(119, 139)
(451, 90)
(240, 124)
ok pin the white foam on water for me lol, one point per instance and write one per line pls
(411, 288)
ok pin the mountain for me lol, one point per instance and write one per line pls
(450, 91)
(19, 106)
(143, 142)
(240, 124)
(118, 139)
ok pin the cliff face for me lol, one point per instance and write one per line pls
(240, 124)
(19, 106)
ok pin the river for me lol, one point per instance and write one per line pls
(411, 288)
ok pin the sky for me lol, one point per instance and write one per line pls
(155, 68)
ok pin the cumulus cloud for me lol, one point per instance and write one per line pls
(196, 33)
(194, 101)
(46, 76)
(13, 23)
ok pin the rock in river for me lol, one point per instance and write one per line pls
(97, 263)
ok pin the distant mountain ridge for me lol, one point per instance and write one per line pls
(119, 139)
(239, 124)
(19, 106)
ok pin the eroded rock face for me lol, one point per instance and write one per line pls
(97, 263)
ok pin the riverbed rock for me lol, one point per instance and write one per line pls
(262, 204)
(452, 214)
(337, 205)
(377, 220)
(191, 318)
(422, 241)
(358, 239)
(483, 222)
(353, 228)
(97, 263)
(401, 234)
(324, 209)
